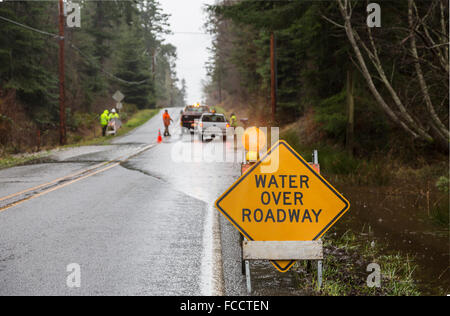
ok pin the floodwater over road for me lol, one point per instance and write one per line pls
(391, 218)
(399, 221)
(145, 224)
(136, 225)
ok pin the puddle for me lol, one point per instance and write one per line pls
(399, 222)
(395, 220)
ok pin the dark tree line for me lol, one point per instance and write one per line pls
(120, 46)
(363, 85)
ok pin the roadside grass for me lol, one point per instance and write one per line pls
(429, 180)
(440, 212)
(220, 110)
(8, 161)
(378, 170)
(341, 166)
(347, 256)
(139, 119)
(136, 120)
(345, 270)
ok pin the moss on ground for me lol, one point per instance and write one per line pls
(345, 270)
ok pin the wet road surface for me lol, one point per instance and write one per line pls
(138, 218)
(144, 226)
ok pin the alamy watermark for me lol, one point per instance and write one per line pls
(374, 278)
(73, 280)
(215, 145)
(72, 11)
(374, 15)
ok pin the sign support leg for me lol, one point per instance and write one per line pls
(246, 268)
(242, 254)
(302, 245)
(319, 273)
(248, 277)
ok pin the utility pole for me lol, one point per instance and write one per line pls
(219, 81)
(273, 76)
(154, 65)
(350, 112)
(62, 108)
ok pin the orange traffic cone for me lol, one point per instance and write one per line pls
(159, 137)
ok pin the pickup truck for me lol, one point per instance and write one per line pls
(189, 115)
(212, 125)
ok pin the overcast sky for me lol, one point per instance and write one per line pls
(188, 16)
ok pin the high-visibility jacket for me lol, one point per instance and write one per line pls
(166, 119)
(113, 116)
(233, 121)
(104, 118)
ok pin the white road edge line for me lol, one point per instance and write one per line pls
(211, 272)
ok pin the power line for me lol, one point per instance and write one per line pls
(90, 58)
(190, 33)
(28, 27)
(99, 67)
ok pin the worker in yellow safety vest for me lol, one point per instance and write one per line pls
(104, 119)
(233, 124)
(233, 120)
(113, 114)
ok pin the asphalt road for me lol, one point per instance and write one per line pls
(142, 224)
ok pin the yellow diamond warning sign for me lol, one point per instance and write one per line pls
(282, 198)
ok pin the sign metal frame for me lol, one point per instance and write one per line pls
(306, 165)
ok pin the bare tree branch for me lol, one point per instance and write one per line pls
(444, 27)
(439, 126)
(374, 57)
(365, 72)
(333, 22)
(421, 22)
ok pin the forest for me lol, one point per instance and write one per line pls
(119, 46)
(366, 89)
(372, 100)
(358, 88)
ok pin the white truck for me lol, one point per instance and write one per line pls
(212, 125)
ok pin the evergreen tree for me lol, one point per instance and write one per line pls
(133, 68)
(25, 65)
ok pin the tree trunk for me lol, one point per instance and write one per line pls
(350, 112)
(436, 122)
(368, 77)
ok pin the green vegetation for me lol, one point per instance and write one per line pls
(11, 161)
(136, 120)
(439, 213)
(394, 91)
(220, 109)
(338, 165)
(427, 181)
(346, 260)
(440, 210)
(443, 184)
(120, 46)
